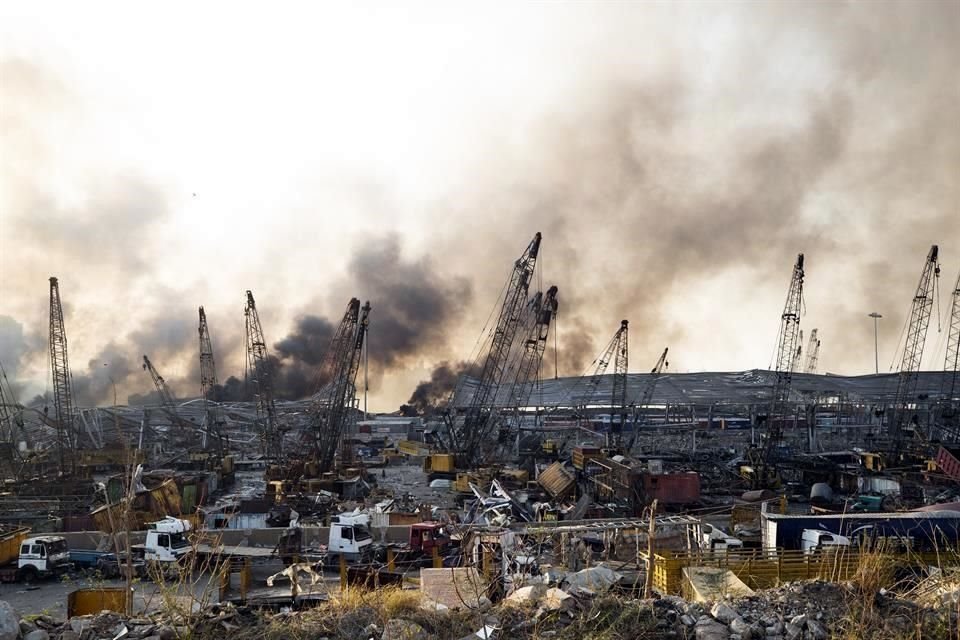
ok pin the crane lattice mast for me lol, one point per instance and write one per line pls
(62, 381)
(949, 409)
(798, 358)
(469, 436)
(583, 391)
(789, 339)
(11, 425)
(213, 416)
(904, 417)
(332, 407)
(167, 399)
(260, 369)
(618, 400)
(347, 412)
(647, 397)
(544, 310)
(813, 353)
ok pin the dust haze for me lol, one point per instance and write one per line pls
(674, 178)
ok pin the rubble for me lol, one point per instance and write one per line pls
(9, 622)
(812, 610)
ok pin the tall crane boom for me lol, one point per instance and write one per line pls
(11, 426)
(166, 397)
(260, 369)
(11, 411)
(584, 389)
(789, 340)
(647, 397)
(333, 403)
(62, 382)
(347, 413)
(948, 409)
(813, 353)
(544, 310)
(920, 311)
(167, 400)
(798, 357)
(618, 400)
(469, 439)
(951, 363)
(213, 416)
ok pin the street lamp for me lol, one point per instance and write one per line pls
(876, 357)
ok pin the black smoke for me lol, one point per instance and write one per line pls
(414, 302)
(413, 308)
(434, 393)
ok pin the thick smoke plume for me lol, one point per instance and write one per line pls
(413, 308)
(674, 186)
(433, 393)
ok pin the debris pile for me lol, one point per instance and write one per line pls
(812, 610)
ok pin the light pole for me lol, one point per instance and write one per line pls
(876, 357)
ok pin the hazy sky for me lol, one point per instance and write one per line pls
(676, 157)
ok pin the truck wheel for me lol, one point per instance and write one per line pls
(29, 575)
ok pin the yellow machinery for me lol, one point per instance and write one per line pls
(440, 465)
(411, 448)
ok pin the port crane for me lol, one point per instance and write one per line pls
(813, 353)
(62, 383)
(468, 434)
(11, 426)
(581, 393)
(543, 308)
(764, 460)
(903, 417)
(647, 397)
(798, 356)
(332, 409)
(618, 401)
(168, 401)
(214, 421)
(261, 369)
(948, 410)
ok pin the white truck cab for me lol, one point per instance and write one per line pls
(167, 540)
(43, 556)
(716, 540)
(350, 536)
(816, 540)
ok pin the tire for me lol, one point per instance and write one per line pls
(29, 574)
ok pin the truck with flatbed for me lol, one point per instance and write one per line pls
(108, 564)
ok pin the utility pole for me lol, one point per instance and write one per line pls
(876, 357)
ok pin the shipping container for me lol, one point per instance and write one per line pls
(671, 488)
(582, 455)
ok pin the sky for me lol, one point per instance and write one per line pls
(675, 156)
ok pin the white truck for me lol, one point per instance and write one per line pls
(350, 537)
(818, 540)
(714, 539)
(39, 557)
(167, 540)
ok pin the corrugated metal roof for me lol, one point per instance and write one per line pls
(707, 388)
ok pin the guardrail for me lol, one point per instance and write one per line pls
(765, 568)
